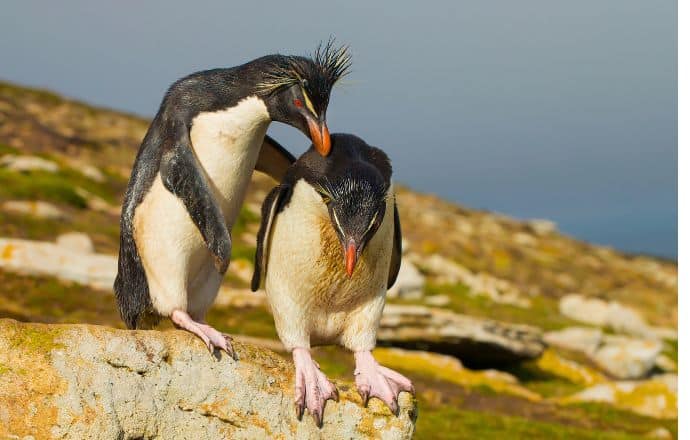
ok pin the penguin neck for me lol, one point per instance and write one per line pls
(227, 144)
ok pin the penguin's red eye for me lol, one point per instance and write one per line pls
(298, 103)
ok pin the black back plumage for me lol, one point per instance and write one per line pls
(206, 91)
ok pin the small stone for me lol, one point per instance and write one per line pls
(28, 163)
(652, 398)
(92, 173)
(409, 284)
(665, 363)
(524, 239)
(601, 313)
(659, 433)
(480, 284)
(38, 209)
(437, 300)
(580, 339)
(76, 242)
(240, 298)
(626, 358)
(242, 268)
(50, 259)
(592, 311)
(542, 227)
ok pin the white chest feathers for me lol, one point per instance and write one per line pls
(227, 144)
(312, 298)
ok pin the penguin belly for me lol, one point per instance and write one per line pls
(313, 300)
(179, 268)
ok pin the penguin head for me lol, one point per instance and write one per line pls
(354, 186)
(296, 90)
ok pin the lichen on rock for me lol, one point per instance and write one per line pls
(83, 381)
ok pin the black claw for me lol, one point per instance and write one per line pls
(395, 409)
(299, 411)
(365, 396)
(318, 417)
(336, 394)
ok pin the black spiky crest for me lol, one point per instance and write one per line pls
(317, 73)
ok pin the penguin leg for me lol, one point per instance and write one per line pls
(374, 380)
(211, 337)
(312, 387)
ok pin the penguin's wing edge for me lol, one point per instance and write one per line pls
(183, 176)
(274, 159)
(274, 202)
(396, 256)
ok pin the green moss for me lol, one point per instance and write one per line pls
(245, 321)
(245, 218)
(40, 341)
(618, 419)
(447, 422)
(6, 149)
(4, 369)
(42, 299)
(671, 349)
(103, 231)
(543, 311)
(39, 185)
(241, 250)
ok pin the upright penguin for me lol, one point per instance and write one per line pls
(330, 246)
(191, 174)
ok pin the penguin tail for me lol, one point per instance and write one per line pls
(131, 288)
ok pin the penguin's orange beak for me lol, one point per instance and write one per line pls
(350, 257)
(320, 137)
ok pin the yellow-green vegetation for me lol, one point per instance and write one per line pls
(37, 342)
(239, 248)
(251, 321)
(39, 185)
(42, 299)
(552, 363)
(59, 187)
(6, 149)
(543, 311)
(448, 422)
(101, 228)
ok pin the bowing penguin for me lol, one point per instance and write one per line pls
(329, 247)
(191, 174)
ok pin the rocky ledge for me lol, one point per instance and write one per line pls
(92, 382)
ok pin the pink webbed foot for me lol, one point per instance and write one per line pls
(211, 337)
(374, 380)
(312, 387)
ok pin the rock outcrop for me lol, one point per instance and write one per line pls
(477, 342)
(91, 382)
(619, 356)
(52, 259)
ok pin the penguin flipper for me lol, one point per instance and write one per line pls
(275, 200)
(396, 256)
(183, 176)
(274, 160)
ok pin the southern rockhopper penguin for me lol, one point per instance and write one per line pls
(329, 246)
(191, 174)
